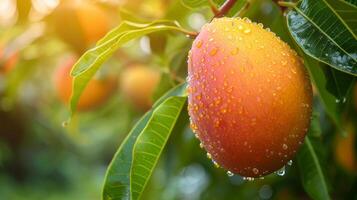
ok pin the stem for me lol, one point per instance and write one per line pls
(213, 7)
(286, 4)
(225, 8)
(190, 34)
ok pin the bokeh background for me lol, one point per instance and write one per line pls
(43, 157)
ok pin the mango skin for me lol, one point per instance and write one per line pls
(250, 97)
(95, 94)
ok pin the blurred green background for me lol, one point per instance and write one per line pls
(41, 157)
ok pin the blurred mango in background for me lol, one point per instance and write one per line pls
(42, 156)
(97, 92)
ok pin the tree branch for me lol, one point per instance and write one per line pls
(224, 9)
(213, 7)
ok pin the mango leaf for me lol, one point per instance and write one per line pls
(165, 84)
(311, 171)
(330, 90)
(333, 105)
(117, 179)
(346, 12)
(339, 84)
(90, 62)
(324, 30)
(151, 142)
(315, 127)
(353, 2)
(196, 4)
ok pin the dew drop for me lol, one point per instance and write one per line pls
(247, 31)
(209, 156)
(290, 162)
(199, 44)
(188, 78)
(255, 170)
(216, 165)
(189, 90)
(201, 145)
(285, 147)
(235, 51)
(193, 127)
(65, 124)
(247, 20)
(213, 52)
(248, 178)
(281, 172)
(293, 70)
(230, 174)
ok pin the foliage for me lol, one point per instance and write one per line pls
(160, 157)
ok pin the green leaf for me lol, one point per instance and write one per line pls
(315, 127)
(90, 62)
(331, 92)
(195, 3)
(339, 84)
(311, 170)
(353, 2)
(346, 12)
(324, 30)
(333, 104)
(237, 8)
(151, 142)
(117, 180)
(165, 84)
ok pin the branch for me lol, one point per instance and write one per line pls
(213, 7)
(286, 4)
(224, 9)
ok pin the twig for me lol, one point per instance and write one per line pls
(224, 9)
(191, 34)
(286, 4)
(213, 7)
